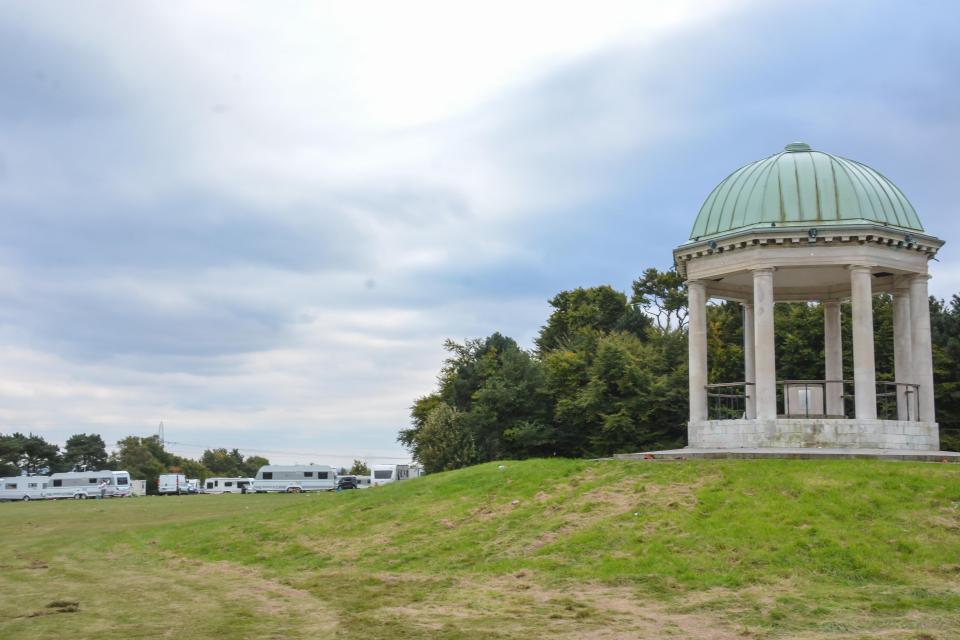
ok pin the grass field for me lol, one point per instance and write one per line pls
(543, 548)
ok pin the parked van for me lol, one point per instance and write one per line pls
(85, 484)
(172, 484)
(227, 485)
(274, 478)
(24, 488)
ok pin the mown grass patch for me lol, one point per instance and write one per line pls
(773, 548)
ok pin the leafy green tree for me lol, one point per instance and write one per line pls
(221, 462)
(497, 391)
(580, 314)
(418, 417)
(190, 468)
(87, 452)
(144, 458)
(9, 455)
(252, 464)
(444, 443)
(663, 295)
(35, 455)
(945, 330)
(620, 395)
(359, 468)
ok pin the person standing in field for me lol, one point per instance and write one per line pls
(103, 489)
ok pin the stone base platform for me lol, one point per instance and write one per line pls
(814, 433)
(692, 453)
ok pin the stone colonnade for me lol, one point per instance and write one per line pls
(912, 347)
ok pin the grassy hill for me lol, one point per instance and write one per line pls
(541, 548)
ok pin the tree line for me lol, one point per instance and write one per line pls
(608, 374)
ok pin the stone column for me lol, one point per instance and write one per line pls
(749, 362)
(764, 351)
(864, 373)
(902, 361)
(697, 343)
(833, 357)
(922, 358)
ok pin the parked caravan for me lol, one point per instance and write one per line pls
(193, 485)
(295, 478)
(24, 488)
(172, 484)
(386, 473)
(227, 485)
(382, 474)
(86, 484)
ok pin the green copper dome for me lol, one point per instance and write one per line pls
(802, 187)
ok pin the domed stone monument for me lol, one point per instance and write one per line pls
(807, 226)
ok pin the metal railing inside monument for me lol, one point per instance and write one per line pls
(836, 399)
(814, 399)
(728, 400)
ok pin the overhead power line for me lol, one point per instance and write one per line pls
(312, 454)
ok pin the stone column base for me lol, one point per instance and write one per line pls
(815, 432)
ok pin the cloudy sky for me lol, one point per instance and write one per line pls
(258, 222)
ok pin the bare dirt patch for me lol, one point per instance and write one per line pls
(522, 607)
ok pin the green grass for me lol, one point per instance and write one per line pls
(766, 548)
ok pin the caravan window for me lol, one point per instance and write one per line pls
(10, 486)
(122, 479)
(32, 485)
(322, 475)
(228, 484)
(209, 485)
(92, 480)
(58, 483)
(308, 474)
(268, 475)
(382, 474)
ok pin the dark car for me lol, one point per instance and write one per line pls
(346, 482)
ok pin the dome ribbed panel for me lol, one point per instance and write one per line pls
(826, 186)
(806, 188)
(756, 176)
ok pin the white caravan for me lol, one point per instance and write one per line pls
(386, 473)
(138, 487)
(24, 488)
(227, 485)
(382, 474)
(172, 484)
(86, 484)
(294, 478)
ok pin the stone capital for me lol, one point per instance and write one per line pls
(854, 268)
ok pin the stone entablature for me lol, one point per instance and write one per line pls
(887, 250)
(825, 234)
